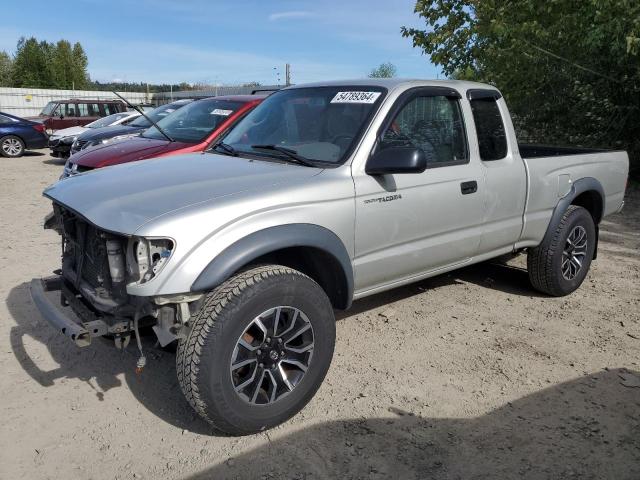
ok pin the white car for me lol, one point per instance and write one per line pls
(61, 140)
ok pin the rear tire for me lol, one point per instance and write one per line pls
(559, 265)
(248, 328)
(11, 146)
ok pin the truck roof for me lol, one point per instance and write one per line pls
(392, 83)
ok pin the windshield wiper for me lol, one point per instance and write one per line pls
(290, 153)
(226, 147)
(141, 112)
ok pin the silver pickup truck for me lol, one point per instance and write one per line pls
(324, 194)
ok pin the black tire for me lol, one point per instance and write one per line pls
(545, 263)
(203, 359)
(11, 146)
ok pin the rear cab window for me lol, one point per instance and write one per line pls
(492, 138)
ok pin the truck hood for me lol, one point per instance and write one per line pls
(127, 150)
(123, 198)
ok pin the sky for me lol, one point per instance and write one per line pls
(225, 42)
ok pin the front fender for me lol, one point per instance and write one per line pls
(271, 239)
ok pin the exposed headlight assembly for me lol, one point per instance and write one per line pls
(146, 257)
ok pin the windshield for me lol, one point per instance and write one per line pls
(48, 109)
(156, 114)
(194, 122)
(318, 123)
(108, 120)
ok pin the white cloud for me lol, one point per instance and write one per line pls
(290, 15)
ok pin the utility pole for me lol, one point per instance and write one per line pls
(287, 74)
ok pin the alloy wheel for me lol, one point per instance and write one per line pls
(574, 252)
(272, 355)
(11, 146)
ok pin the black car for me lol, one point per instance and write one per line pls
(19, 134)
(101, 136)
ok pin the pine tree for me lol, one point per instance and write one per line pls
(80, 62)
(30, 66)
(6, 68)
(62, 65)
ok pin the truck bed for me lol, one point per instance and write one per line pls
(551, 172)
(529, 150)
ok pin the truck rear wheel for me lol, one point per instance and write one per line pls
(560, 263)
(258, 350)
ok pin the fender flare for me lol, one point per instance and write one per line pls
(268, 240)
(581, 185)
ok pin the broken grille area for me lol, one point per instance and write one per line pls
(85, 261)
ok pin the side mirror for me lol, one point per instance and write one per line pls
(397, 160)
(61, 116)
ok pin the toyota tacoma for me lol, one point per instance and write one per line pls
(323, 194)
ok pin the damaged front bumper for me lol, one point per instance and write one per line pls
(80, 333)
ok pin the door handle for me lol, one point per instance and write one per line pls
(469, 187)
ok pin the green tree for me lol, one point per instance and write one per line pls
(80, 62)
(384, 70)
(6, 70)
(570, 70)
(31, 64)
(62, 65)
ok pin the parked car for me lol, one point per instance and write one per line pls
(60, 142)
(194, 128)
(19, 134)
(104, 135)
(59, 114)
(323, 194)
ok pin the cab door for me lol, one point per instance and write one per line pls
(504, 171)
(408, 225)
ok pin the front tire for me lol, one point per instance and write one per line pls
(258, 349)
(11, 146)
(559, 265)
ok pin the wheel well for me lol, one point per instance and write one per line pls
(12, 135)
(318, 264)
(592, 202)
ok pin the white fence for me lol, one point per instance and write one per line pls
(25, 102)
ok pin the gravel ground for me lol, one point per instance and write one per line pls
(466, 375)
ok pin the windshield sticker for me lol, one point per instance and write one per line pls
(224, 113)
(355, 97)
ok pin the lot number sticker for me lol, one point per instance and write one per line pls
(355, 97)
(224, 113)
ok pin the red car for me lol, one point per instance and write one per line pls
(193, 128)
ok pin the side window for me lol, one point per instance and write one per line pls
(71, 109)
(434, 124)
(94, 110)
(492, 138)
(111, 108)
(83, 109)
(5, 120)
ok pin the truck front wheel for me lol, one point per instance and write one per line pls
(258, 349)
(560, 263)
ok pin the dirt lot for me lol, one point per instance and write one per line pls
(467, 375)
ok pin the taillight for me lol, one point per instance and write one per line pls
(39, 127)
